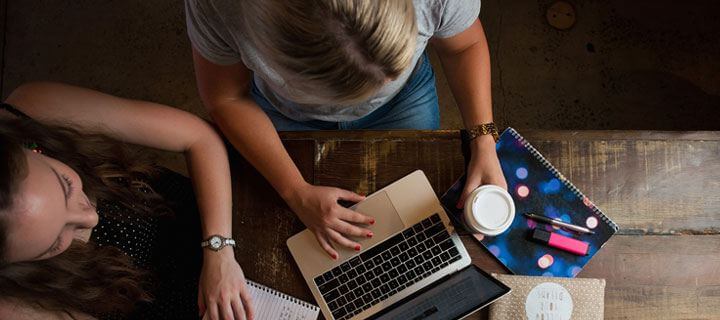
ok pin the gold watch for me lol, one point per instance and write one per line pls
(483, 129)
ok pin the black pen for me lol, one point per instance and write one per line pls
(559, 223)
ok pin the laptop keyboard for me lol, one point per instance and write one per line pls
(387, 268)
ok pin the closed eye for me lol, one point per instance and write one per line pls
(69, 184)
(63, 181)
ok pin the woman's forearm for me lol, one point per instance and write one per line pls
(252, 133)
(210, 172)
(225, 91)
(466, 63)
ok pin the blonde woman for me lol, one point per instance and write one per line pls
(276, 65)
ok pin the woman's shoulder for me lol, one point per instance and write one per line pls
(445, 18)
(23, 311)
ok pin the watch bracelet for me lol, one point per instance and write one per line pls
(225, 242)
(483, 129)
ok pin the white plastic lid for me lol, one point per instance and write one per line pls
(490, 210)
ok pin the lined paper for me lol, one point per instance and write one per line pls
(272, 304)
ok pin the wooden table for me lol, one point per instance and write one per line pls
(662, 188)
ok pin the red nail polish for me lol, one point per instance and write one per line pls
(372, 221)
(370, 234)
(459, 205)
(334, 256)
(357, 248)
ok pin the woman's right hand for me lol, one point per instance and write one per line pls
(318, 208)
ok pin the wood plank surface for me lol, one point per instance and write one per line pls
(647, 182)
(648, 277)
(366, 166)
(263, 222)
(646, 186)
(662, 188)
(659, 277)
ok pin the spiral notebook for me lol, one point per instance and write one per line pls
(537, 187)
(272, 304)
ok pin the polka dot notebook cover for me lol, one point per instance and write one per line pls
(537, 187)
(544, 298)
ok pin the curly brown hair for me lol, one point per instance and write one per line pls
(86, 278)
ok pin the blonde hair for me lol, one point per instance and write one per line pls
(339, 50)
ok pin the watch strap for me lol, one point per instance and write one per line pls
(483, 129)
(223, 242)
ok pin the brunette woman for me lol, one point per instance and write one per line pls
(90, 228)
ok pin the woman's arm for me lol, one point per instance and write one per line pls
(466, 61)
(161, 127)
(143, 123)
(20, 311)
(225, 91)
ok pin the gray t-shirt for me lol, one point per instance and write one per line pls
(216, 31)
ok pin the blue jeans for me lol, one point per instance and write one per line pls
(414, 107)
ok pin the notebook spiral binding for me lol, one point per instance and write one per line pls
(562, 178)
(282, 295)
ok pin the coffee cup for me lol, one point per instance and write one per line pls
(489, 210)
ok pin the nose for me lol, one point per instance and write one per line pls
(85, 216)
(85, 219)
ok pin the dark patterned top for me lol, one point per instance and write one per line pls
(167, 246)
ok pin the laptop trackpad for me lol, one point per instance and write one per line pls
(387, 220)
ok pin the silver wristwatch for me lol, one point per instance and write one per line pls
(216, 242)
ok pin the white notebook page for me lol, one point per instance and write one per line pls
(271, 304)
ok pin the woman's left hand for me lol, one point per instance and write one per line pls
(484, 167)
(223, 292)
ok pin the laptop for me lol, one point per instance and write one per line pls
(414, 267)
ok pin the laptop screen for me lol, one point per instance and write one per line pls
(453, 297)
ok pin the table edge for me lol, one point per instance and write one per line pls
(535, 134)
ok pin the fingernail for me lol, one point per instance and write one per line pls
(357, 247)
(370, 234)
(334, 256)
(372, 221)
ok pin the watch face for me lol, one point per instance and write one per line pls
(215, 242)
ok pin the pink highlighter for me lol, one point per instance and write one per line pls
(561, 242)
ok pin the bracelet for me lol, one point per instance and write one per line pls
(483, 129)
